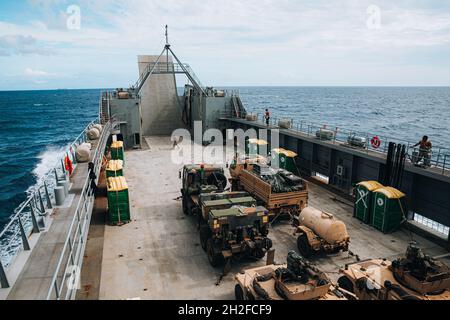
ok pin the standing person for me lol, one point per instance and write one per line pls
(425, 147)
(267, 117)
(92, 177)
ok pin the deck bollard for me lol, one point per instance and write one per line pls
(65, 185)
(60, 195)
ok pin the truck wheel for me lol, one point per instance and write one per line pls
(239, 293)
(258, 253)
(303, 246)
(215, 258)
(185, 206)
(345, 283)
(205, 234)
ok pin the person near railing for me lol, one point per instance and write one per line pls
(92, 178)
(425, 147)
(267, 117)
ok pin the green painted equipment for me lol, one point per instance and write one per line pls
(256, 146)
(117, 152)
(118, 201)
(364, 200)
(114, 169)
(388, 211)
(284, 159)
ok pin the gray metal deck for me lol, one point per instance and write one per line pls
(158, 255)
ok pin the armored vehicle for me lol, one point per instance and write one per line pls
(235, 231)
(413, 277)
(296, 280)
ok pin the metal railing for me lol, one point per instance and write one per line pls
(29, 217)
(439, 158)
(65, 280)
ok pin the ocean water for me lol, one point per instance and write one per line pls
(36, 126)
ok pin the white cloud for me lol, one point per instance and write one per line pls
(237, 41)
(35, 73)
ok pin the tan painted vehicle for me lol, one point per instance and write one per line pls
(320, 232)
(296, 280)
(281, 192)
(413, 277)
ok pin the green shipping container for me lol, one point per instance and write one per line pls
(118, 201)
(388, 211)
(362, 209)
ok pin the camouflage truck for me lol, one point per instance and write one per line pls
(197, 180)
(235, 231)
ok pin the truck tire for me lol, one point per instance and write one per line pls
(345, 283)
(238, 293)
(303, 246)
(205, 234)
(185, 206)
(258, 254)
(215, 258)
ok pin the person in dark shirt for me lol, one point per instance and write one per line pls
(425, 147)
(267, 117)
(92, 178)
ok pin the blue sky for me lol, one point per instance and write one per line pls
(230, 43)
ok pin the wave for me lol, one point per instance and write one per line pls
(48, 160)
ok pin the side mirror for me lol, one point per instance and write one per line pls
(179, 174)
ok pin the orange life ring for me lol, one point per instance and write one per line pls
(375, 142)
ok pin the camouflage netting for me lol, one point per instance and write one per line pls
(283, 181)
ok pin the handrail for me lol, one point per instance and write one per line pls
(70, 259)
(14, 235)
(438, 159)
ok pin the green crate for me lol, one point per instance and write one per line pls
(364, 200)
(388, 210)
(113, 174)
(119, 213)
(118, 154)
(118, 197)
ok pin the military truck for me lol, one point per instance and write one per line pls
(413, 277)
(319, 231)
(197, 180)
(280, 191)
(237, 230)
(296, 280)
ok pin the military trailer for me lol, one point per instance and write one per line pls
(235, 231)
(198, 180)
(320, 231)
(280, 191)
(413, 277)
(296, 280)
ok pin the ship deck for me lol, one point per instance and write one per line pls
(158, 254)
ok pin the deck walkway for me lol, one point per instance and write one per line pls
(35, 278)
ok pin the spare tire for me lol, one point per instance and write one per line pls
(218, 179)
